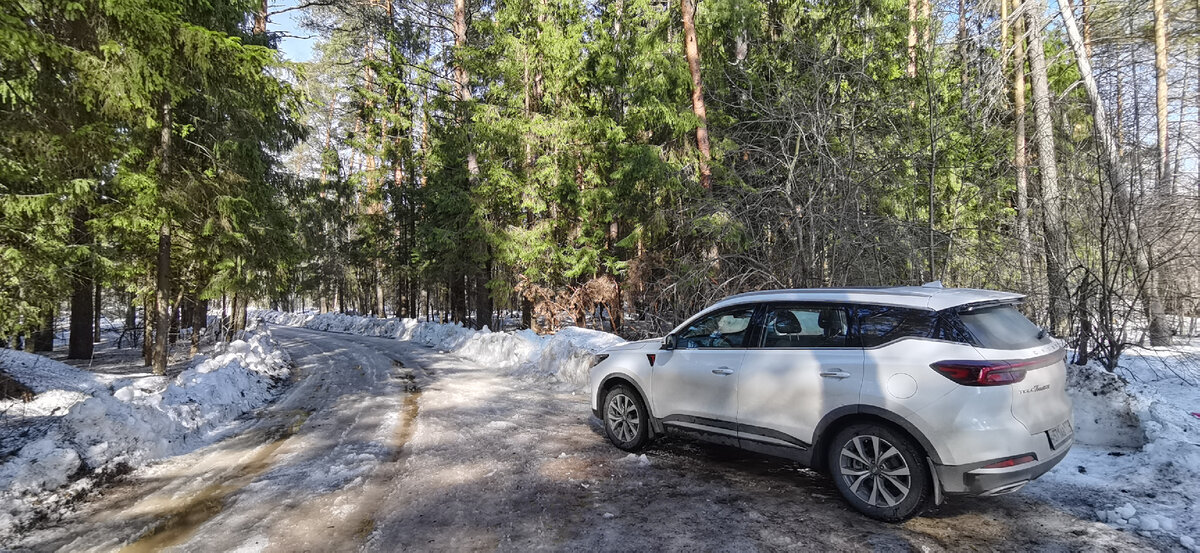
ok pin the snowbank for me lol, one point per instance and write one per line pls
(1137, 453)
(565, 356)
(77, 423)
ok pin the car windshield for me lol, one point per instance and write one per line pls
(1002, 327)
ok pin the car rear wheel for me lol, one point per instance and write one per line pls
(626, 420)
(880, 471)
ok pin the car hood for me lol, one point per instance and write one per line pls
(652, 343)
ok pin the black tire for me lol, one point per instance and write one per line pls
(883, 473)
(626, 419)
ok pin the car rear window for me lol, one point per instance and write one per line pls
(1002, 327)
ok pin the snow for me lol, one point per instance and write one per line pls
(564, 357)
(1137, 455)
(102, 423)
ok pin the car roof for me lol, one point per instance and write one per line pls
(929, 296)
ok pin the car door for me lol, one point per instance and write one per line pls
(806, 365)
(695, 384)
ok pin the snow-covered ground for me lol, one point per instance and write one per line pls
(563, 357)
(1136, 462)
(81, 425)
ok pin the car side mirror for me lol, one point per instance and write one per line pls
(669, 342)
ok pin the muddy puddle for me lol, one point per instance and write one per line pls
(180, 521)
(408, 411)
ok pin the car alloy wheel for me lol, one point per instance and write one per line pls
(626, 420)
(875, 471)
(880, 471)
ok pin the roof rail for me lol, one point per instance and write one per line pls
(886, 290)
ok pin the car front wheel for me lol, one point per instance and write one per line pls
(626, 420)
(880, 471)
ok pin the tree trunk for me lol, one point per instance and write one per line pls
(162, 285)
(96, 314)
(173, 332)
(43, 339)
(483, 297)
(379, 299)
(1164, 184)
(457, 303)
(1003, 34)
(260, 19)
(1087, 28)
(692, 50)
(1118, 178)
(912, 38)
(147, 329)
(962, 48)
(130, 313)
(80, 344)
(162, 299)
(199, 319)
(461, 77)
(1052, 222)
(1020, 153)
(526, 313)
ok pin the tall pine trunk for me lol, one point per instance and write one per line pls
(43, 339)
(1165, 185)
(96, 313)
(1020, 153)
(912, 38)
(80, 343)
(162, 269)
(692, 51)
(1054, 229)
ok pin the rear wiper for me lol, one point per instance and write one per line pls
(1041, 333)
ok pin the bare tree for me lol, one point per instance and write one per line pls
(1119, 181)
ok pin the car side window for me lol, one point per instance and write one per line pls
(878, 325)
(813, 326)
(728, 328)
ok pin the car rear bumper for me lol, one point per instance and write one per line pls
(973, 479)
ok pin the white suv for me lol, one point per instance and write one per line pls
(901, 394)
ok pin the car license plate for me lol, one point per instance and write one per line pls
(1060, 434)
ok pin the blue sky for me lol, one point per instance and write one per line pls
(293, 48)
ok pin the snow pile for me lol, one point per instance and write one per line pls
(1105, 413)
(1137, 452)
(565, 356)
(99, 428)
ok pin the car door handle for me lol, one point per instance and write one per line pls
(727, 371)
(835, 374)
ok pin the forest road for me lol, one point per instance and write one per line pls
(386, 445)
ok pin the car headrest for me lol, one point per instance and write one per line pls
(730, 324)
(787, 323)
(831, 322)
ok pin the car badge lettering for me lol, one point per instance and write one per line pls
(1037, 388)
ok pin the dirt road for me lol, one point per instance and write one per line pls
(385, 445)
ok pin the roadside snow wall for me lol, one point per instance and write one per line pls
(77, 422)
(565, 356)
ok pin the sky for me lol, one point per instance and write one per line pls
(292, 44)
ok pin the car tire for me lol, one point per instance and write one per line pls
(880, 471)
(626, 419)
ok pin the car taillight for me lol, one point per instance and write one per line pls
(982, 373)
(1012, 462)
(650, 357)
